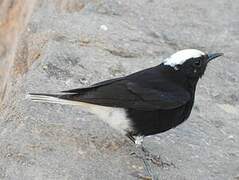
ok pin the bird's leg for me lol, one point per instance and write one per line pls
(156, 159)
(131, 137)
(147, 165)
(146, 154)
(141, 154)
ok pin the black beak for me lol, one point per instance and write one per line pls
(213, 56)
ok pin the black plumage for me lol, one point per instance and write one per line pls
(155, 99)
(150, 89)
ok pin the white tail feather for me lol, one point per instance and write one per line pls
(55, 100)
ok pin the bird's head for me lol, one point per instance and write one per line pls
(192, 62)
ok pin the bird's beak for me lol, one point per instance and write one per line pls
(212, 56)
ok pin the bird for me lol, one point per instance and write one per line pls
(147, 102)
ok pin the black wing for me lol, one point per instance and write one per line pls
(136, 92)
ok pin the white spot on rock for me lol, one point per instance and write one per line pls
(104, 27)
(228, 108)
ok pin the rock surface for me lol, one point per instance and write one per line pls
(66, 44)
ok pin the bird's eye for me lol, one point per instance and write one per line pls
(197, 63)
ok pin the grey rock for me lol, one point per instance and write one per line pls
(68, 48)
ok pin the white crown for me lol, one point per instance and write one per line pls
(180, 57)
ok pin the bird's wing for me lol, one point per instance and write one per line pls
(129, 94)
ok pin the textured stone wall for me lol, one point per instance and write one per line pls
(53, 45)
(14, 15)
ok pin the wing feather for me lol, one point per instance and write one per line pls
(149, 89)
(130, 95)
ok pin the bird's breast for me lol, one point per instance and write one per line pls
(158, 121)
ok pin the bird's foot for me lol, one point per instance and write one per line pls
(155, 159)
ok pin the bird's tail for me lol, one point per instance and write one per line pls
(52, 98)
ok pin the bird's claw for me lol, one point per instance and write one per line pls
(155, 159)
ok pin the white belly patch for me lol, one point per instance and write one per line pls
(115, 117)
